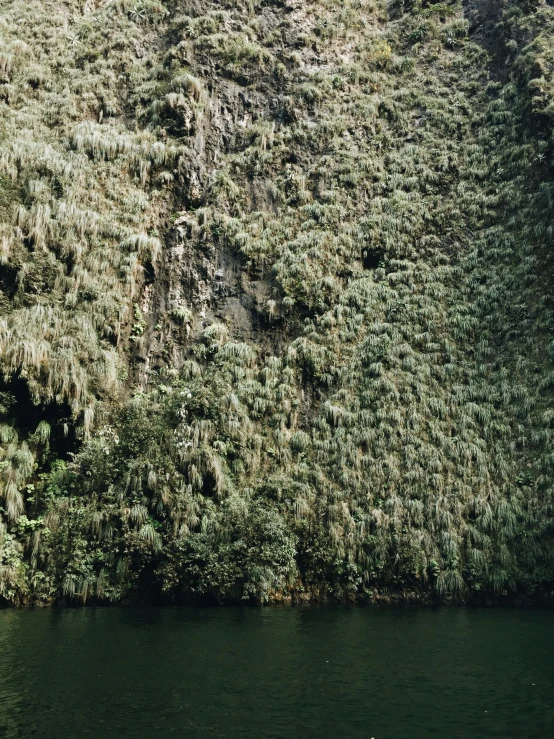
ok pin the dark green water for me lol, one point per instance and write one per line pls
(291, 672)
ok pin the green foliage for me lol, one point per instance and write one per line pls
(79, 181)
(249, 554)
(388, 202)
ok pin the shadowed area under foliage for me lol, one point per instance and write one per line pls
(276, 283)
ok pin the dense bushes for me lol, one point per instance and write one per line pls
(385, 428)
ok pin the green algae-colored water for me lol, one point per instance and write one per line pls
(386, 673)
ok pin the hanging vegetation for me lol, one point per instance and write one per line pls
(275, 307)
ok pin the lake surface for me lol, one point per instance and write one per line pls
(385, 673)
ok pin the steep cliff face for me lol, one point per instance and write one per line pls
(275, 312)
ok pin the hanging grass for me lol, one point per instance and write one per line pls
(380, 427)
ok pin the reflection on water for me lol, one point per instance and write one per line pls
(290, 672)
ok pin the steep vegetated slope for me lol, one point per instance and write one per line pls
(276, 313)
